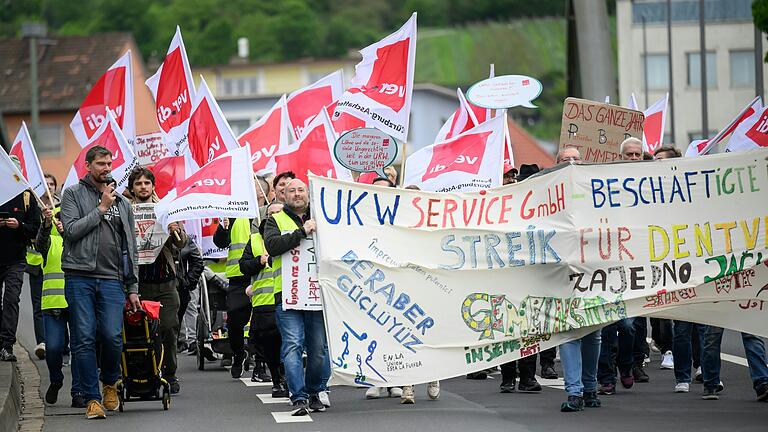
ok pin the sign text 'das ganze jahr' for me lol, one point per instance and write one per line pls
(419, 286)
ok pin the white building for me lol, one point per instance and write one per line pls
(730, 60)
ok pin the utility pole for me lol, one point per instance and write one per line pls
(645, 62)
(596, 74)
(33, 31)
(759, 86)
(703, 55)
(671, 77)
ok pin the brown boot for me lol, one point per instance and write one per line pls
(94, 410)
(110, 400)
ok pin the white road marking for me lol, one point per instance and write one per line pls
(268, 399)
(286, 417)
(734, 359)
(556, 383)
(249, 383)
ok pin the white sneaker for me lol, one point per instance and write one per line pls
(697, 375)
(408, 398)
(325, 398)
(433, 390)
(682, 388)
(653, 346)
(40, 350)
(395, 392)
(374, 392)
(646, 360)
(667, 361)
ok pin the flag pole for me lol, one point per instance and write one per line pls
(402, 166)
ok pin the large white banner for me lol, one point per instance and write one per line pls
(420, 286)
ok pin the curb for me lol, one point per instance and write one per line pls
(32, 415)
(10, 396)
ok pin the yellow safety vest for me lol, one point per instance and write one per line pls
(263, 284)
(238, 237)
(218, 266)
(284, 223)
(34, 258)
(53, 277)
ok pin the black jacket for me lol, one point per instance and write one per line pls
(189, 266)
(251, 265)
(221, 239)
(14, 241)
(277, 243)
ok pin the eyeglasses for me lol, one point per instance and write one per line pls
(569, 159)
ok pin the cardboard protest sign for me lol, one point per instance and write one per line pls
(420, 286)
(150, 236)
(301, 289)
(597, 129)
(366, 150)
(149, 148)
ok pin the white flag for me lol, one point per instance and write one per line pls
(30, 166)
(11, 179)
(380, 93)
(304, 104)
(703, 146)
(468, 162)
(222, 188)
(209, 133)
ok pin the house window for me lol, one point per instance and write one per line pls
(694, 69)
(239, 126)
(658, 71)
(313, 77)
(50, 140)
(742, 63)
(696, 135)
(241, 86)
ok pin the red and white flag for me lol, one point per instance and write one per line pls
(380, 93)
(632, 104)
(750, 134)
(267, 136)
(468, 162)
(10, 177)
(459, 122)
(702, 147)
(201, 232)
(114, 90)
(174, 91)
(655, 124)
(344, 122)
(170, 171)
(109, 136)
(209, 133)
(312, 153)
(222, 188)
(305, 103)
(30, 166)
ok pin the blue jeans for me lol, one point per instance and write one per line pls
(299, 329)
(56, 346)
(682, 343)
(622, 357)
(95, 308)
(579, 359)
(754, 348)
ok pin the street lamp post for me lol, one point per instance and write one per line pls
(33, 31)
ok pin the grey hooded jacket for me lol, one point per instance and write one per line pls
(81, 218)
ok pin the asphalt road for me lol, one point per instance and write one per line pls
(211, 400)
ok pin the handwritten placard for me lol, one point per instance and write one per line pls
(505, 91)
(149, 148)
(366, 150)
(597, 129)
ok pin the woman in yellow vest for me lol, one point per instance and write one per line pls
(54, 306)
(264, 333)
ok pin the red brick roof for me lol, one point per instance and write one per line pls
(526, 150)
(67, 68)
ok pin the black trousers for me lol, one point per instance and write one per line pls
(11, 280)
(547, 357)
(527, 367)
(265, 338)
(36, 291)
(661, 332)
(236, 321)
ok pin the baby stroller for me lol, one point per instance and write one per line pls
(212, 336)
(142, 357)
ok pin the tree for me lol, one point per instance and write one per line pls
(760, 15)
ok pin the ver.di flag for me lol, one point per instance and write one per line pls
(209, 133)
(266, 137)
(313, 153)
(459, 122)
(30, 166)
(468, 162)
(110, 137)
(750, 134)
(221, 188)
(170, 171)
(655, 122)
(380, 92)
(173, 90)
(304, 104)
(13, 182)
(703, 146)
(113, 91)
